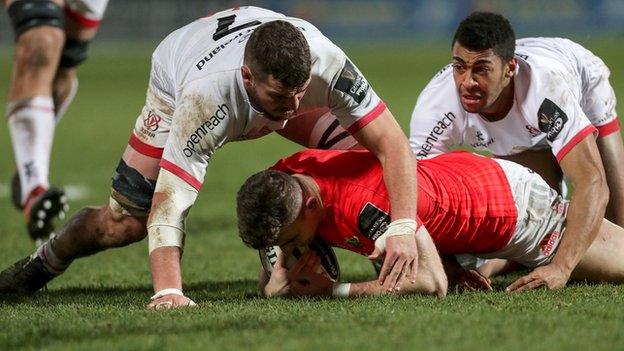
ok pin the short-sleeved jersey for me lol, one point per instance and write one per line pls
(553, 77)
(464, 200)
(198, 102)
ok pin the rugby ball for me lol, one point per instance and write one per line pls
(268, 257)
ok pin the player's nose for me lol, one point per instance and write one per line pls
(469, 81)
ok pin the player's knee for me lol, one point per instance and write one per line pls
(120, 229)
(38, 49)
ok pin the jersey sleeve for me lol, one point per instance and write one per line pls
(435, 127)
(561, 118)
(352, 100)
(202, 123)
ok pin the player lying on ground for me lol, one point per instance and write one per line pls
(236, 75)
(538, 102)
(469, 204)
(51, 40)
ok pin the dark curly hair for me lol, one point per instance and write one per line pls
(487, 30)
(278, 48)
(266, 203)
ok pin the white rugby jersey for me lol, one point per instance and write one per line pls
(558, 83)
(196, 100)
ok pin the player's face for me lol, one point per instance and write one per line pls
(272, 98)
(480, 77)
(302, 231)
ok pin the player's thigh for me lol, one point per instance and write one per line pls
(134, 183)
(604, 260)
(543, 162)
(83, 18)
(612, 153)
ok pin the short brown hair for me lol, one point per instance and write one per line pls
(278, 48)
(266, 203)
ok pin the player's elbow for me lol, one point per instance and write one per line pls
(428, 283)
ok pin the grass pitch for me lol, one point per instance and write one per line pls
(99, 302)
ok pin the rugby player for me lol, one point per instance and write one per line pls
(235, 75)
(469, 204)
(537, 101)
(51, 40)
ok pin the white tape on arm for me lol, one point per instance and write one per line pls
(399, 227)
(165, 225)
(341, 289)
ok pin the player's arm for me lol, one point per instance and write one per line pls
(172, 200)
(183, 167)
(386, 140)
(583, 168)
(305, 279)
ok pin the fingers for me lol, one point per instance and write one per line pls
(481, 282)
(168, 302)
(523, 283)
(386, 269)
(394, 279)
(375, 255)
(412, 271)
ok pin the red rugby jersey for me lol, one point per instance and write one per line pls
(464, 200)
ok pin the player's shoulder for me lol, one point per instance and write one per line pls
(439, 95)
(441, 86)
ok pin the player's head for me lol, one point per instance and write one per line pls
(274, 209)
(483, 60)
(276, 70)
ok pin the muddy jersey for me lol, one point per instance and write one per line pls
(196, 101)
(464, 200)
(561, 95)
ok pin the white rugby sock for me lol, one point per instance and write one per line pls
(31, 125)
(51, 262)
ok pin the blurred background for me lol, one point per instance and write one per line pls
(363, 20)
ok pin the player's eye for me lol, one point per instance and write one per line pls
(482, 70)
(458, 68)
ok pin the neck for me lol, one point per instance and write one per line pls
(501, 107)
(310, 186)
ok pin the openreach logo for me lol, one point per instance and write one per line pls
(439, 128)
(209, 125)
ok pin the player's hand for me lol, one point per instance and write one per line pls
(550, 277)
(171, 301)
(307, 277)
(400, 261)
(278, 284)
(472, 280)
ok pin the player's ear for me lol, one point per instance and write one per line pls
(312, 203)
(511, 68)
(247, 76)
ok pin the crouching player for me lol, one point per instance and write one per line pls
(469, 204)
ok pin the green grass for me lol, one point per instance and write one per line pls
(99, 303)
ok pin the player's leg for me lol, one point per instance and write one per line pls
(92, 229)
(541, 161)
(598, 102)
(82, 20)
(39, 38)
(612, 153)
(604, 260)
